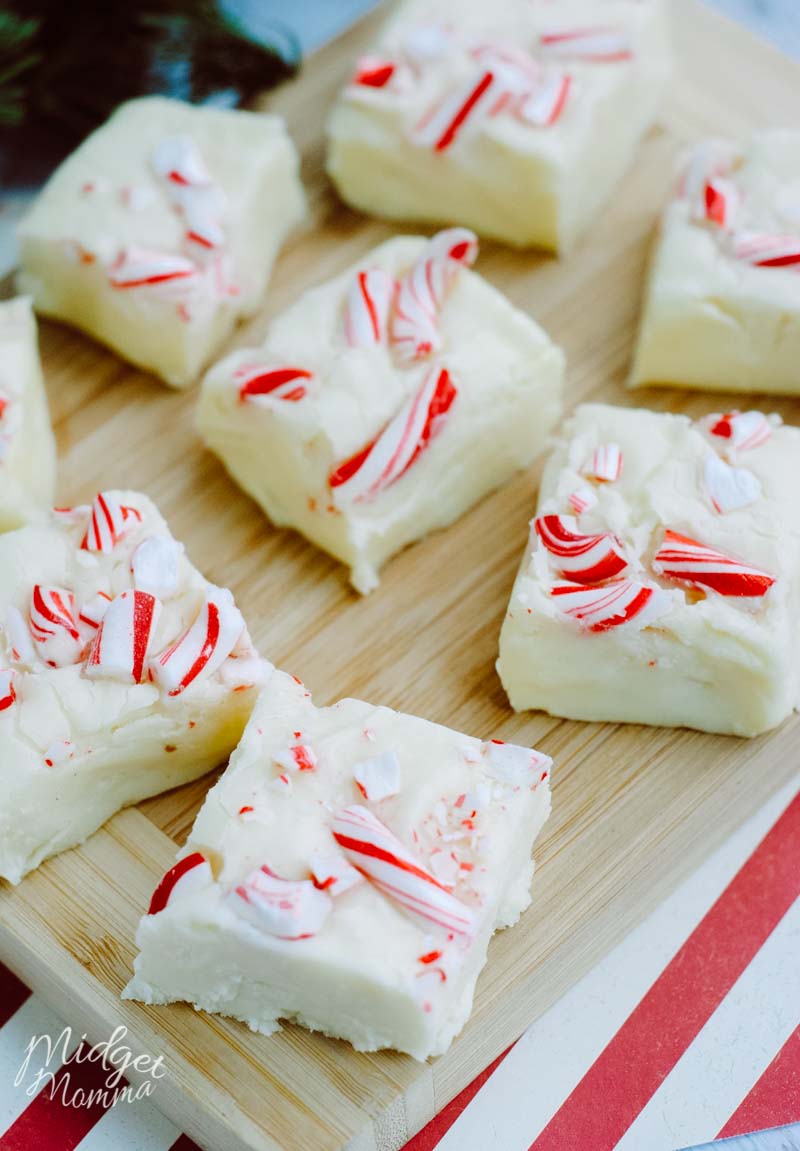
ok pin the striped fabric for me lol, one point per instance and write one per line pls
(688, 1032)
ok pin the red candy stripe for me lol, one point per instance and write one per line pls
(277, 383)
(160, 897)
(612, 605)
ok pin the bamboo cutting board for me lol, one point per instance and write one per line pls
(635, 809)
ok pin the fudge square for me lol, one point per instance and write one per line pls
(27, 447)
(723, 304)
(123, 673)
(517, 119)
(160, 231)
(661, 582)
(346, 873)
(386, 402)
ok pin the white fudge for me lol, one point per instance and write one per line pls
(346, 873)
(386, 402)
(661, 583)
(160, 231)
(723, 303)
(27, 447)
(123, 673)
(517, 119)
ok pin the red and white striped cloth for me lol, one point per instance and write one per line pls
(688, 1032)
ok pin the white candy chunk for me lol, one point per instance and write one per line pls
(158, 234)
(382, 945)
(450, 117)
(378, 778)
(353, 420)
(723, 306)
(156, 566)
(27, 447)
(75, 695)
(517, 766)
(699, 629)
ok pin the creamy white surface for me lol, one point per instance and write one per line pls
(27, 447)
(712, 321)
(106, 196)
(521, 184)
(714, 663)
(360, 977)
(127, 741)
(509, 378)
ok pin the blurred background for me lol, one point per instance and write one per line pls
(64, 66)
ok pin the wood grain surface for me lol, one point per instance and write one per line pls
(635, 809)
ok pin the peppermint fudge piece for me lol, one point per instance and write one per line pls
(386, 402)
(515, 119)
(123, 673)
(346, 873)
(27, 447)
(723, 304)
(661, 583)
(160, 231)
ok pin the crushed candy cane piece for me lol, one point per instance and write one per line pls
(109, 522)
(384, 461)
(257, 383)
(729, 488)
(767, 250)
(143, 268)
(422, 291)
(291, 909)
(392, 869)
(121, 643)
(741, 431)
(582, 499)
(366, 312)
(614, 604)
(94, 608)
(581, 558)
(299, 757)
(378, 778)
(54, 625)
(602, 45)
(8, 692)
(203, 647)
(605, 466)
(691, 562)
(514, 765)
(59, 752)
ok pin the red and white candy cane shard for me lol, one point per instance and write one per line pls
(8, 692)
(178, 160)
(332, 873)
(192, 873)
(119, 648)
(372, 72)
(155, 566)
(383, 462)
(605, 466)
(366, 309)
(615, 604)
(767, 250)
(729, 488)
(143, 268)
(582, 499)
(203, 647)
(259, 384)
(581, 558)
(202, 210)
(706, 162)
(291, 909)
(298, 757)
(741, 431)
(392, 869)
(378, 778)
(514, 765)
(720, 202)
(691, 562)
(54, 625)
(604, 45)
(421, 293)
(94, 608)
(545, 104)
(109, 522)
(471, 102)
